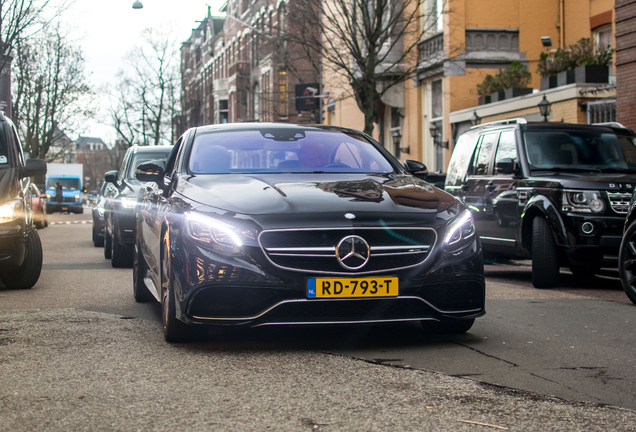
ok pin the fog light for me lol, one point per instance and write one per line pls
(587, 227)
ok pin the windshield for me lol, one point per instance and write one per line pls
(66, 183)
(140, 158)
(580, 151)
(285, 151)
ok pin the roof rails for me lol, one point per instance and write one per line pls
(518, 120)
(610, 124)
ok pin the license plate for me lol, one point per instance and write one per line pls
(64, 208)
(352, 287)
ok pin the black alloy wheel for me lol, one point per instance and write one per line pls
(174, 330)
(545, 260)
(627, 262)
(25, 276)
(141, 293)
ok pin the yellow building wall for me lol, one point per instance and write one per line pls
(492, 14)
(568, 111)
(412, 124)
(537, 18)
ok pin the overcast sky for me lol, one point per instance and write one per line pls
(107, 30)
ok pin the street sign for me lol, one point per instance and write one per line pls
(305, 100)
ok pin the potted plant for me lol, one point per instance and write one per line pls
(485, 88)
(580, 63)
(593, 65)
(515, 79)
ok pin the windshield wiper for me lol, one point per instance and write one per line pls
(567, 169)
(619, 170)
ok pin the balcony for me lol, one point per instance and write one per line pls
(431, 56)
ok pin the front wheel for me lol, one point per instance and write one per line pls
(108, 248)
(174, 330)
(25, 276)
(140, 290)
(545, 260)
(627, 262)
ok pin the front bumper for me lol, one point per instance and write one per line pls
(212, 289)
(600, 246)
(12, 244)
(74, 207)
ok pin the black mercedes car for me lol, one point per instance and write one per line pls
(119, 205)
(20, 246)
(272, 224)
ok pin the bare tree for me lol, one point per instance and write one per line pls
(370, 44)
(146, 102)
(49, 87)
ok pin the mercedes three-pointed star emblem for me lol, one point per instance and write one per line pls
(352, 252)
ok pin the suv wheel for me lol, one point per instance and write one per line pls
(108, 249)
(545, 262)
(627, 262)
(25, 276)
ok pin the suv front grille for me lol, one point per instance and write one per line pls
(314, 250)
(619, 201)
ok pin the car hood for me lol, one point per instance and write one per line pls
(597, 181)
(271, 194)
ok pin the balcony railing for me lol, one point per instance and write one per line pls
(431, 48)
(492, 40)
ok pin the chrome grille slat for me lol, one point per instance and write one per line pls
(313, 250)
(619, 201)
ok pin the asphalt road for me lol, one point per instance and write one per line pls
(77, 353)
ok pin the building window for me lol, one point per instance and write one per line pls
(282, 93)
(223, 111)
(603, 40)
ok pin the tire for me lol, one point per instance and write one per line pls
(545, 260)
(120, 255)
(174, 330)
(627, 262)
(448, 327)
(97, 240)
(141, 293)
(25, 276)
(108, 249)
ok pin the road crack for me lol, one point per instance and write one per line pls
(484, 354)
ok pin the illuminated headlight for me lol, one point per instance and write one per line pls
(9, 212)
(213, 234)
(460, 232)
(76, 196)
(582, 202)
(48, 196)
(128, 202)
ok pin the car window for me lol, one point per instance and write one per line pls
(507, 148)
(462, 152)
(122, 169)
(582, 149)
(34, 193)
(281, 150)
(483, 156)
(17, 146)
(66, 183)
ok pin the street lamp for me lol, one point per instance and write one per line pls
(397, 138)
(137, 5)
(475, 119)
(544, 108)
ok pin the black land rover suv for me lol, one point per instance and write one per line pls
(20, 246)
(557, 193)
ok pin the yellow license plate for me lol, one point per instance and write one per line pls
(64, 208)
(352, 287)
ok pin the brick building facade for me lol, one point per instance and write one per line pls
(625, 21)
(238, 68)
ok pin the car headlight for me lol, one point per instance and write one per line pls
(128, 202)
(213, 234)
(48, 196)
(9, 212)
(76, 196)
(460, 232)
(582, 202)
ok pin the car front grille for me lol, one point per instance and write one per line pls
(619, 201)
(314, 250)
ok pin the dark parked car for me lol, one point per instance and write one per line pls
(20, 246)
(554, 192)
(38, 204)
(272, 224)
(98, 213)
(119, 218)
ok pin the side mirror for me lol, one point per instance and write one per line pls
(153, 171)
(506, 166)
(416, 168)
(34, 167)
(111, 177)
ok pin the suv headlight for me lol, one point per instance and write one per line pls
(9, 211)
(213, 234)
(128, 202)
(582, 201)
(460, 232)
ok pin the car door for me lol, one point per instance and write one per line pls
(478, 186)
